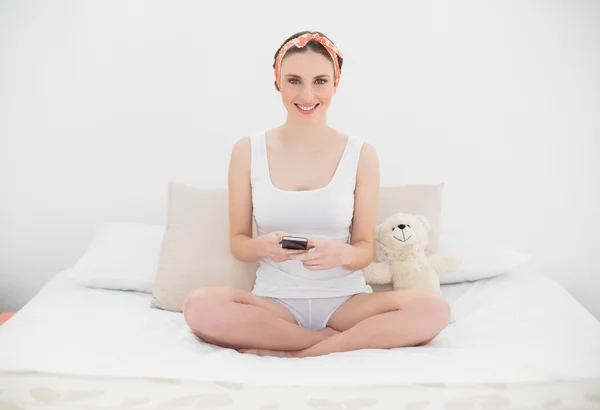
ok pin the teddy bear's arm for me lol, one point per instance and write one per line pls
(444, 262)
(378, 273)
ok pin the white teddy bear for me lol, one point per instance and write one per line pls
(400, 258)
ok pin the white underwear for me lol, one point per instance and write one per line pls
(313, 313)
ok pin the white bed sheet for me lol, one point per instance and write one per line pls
(515, 327)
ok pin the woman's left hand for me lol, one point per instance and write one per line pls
(324, 254)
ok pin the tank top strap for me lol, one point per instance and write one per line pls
(259, 166)
(350, 159)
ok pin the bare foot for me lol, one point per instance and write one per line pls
(267, 352)
(328, 331)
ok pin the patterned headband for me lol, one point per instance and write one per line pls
(300, 42)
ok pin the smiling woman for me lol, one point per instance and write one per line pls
(308, 180)
(304, 73)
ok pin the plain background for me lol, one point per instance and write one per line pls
(102, 103)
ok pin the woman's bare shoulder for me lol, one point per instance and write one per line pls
(240, 153)
(243, 142)
(368, 151)
(368, 162)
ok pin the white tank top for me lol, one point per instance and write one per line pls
(324, 212)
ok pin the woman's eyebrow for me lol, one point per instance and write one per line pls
(297, 76)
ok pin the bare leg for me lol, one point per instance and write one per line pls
(403, 319)
(380, 320)
(233, 318)
(328, 332)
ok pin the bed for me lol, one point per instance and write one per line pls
(520, 340)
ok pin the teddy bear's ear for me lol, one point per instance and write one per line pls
(377, 230)
(424, 221)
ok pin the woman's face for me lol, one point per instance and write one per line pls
(307, 85)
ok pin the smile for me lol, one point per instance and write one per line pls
(402, 240)
(307, 109)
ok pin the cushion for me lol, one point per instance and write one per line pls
(195, 251)
(480, 258)
(414, 199)
(121, 256)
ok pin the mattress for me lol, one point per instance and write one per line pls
(514, 335)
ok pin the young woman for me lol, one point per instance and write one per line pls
(307, 179)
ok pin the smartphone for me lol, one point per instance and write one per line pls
(294, 242)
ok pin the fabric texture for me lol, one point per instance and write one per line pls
(514, 327)
(121, 256)
(52, 391)
(313, 313)
(385, 254)
(480, 258)
(195, 252)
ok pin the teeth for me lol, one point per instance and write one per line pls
(307, 108)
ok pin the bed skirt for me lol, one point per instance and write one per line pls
(24, 390)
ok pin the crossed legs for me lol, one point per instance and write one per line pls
(236, 319)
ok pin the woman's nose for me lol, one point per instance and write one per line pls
(307, 93)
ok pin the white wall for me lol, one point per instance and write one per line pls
(103, 102)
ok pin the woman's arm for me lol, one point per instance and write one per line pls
(243, 246)
(365, 210)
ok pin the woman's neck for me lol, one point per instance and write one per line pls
(304, 131)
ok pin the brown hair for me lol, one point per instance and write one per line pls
(311, 45)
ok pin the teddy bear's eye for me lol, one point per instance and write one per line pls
(408, 225)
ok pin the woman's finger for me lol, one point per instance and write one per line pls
(313, 262)
(314, 242)
(293, 251)
(305, 256)
(278, 236)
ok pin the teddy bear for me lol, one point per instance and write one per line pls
(400, 257)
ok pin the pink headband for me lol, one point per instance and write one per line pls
(300, 42)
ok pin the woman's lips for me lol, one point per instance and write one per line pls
(306, 109)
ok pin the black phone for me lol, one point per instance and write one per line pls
(294, 243)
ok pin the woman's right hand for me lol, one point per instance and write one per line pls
(270, 245)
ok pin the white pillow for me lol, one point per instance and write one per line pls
(121, 256)
(480, 259)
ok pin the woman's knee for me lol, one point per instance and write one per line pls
(433, 309)
(202, 307)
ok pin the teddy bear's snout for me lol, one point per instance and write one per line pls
(404, 234)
